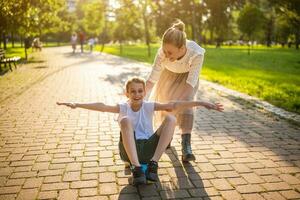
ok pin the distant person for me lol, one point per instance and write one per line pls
(36, 44)
(91, 43)
(74, 41)
(175, 77)
(81, 40)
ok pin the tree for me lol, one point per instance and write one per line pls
(93, 18)
(219, 16)
(283, 30)
(250, 21)
(144, 4)
(128, 22)
(290, 9)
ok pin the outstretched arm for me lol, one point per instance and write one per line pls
(178, 105)
(92, 106)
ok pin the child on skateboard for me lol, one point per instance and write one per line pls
(138, 142)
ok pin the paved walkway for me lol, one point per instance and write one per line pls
(52, 152)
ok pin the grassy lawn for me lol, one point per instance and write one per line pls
(271, 74)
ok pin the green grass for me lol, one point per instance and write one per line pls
(271, 74)
(16, 51)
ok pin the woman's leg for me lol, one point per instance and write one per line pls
(186, 125)
(129, 141)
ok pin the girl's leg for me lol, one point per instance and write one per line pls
(128, 141)
(165, 132)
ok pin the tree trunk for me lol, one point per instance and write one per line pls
(269, 31)
(12, 39)
(194, 26)
(297, 39)
(25, 49)
(4, 40)
(21, 41)
(121, 47)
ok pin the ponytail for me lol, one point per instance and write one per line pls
(175, 34)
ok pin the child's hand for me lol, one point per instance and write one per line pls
(217, 106)
(71, 105)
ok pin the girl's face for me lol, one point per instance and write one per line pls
(172, 52)
(136, 92)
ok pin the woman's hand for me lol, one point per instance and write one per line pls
(216, 106)
(71, 105)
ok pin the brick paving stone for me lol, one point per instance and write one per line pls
(8, 197)
(252, 178)
(227, 174)
(23, 175)
(237, 181)
(48, 195)
(88, 192)
(14, 182)
(231, 195)
(182, 183)
(276, 186)
(107, 177)
(148, 191)
(289, 170)
(52, 179)
(252, 197)
(271, 179)
(71, 176)
(171, 194)
(10, 190)
(89, 176)
(273, 196)
(266, 171)
(27, 194)
(68, 195)
(207, 167)
(41, 166)
(53, 172)
(92, 170)
(90, 164)
(84, 184)
(223, 167)
(122, 197)
(289, 179)
(203, 192)
(33, 183)
(221, 184)
(54, 186)
(241, 168)
(290, 194)
(249, 189)
(108, 188)
(73, 167)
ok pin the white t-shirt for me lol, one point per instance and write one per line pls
(91, 41)
(191, 62)
(142, 120)
(74, 39)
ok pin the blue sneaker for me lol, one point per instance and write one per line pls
(138, 176)
(151, 172)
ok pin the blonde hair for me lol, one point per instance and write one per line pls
(175, 34)
(135, 80)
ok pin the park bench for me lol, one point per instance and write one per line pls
(5, 61)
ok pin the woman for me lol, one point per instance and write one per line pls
(175, 76)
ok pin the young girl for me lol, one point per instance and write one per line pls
(139, 143)
(175, 75)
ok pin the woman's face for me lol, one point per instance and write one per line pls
(172, 52)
